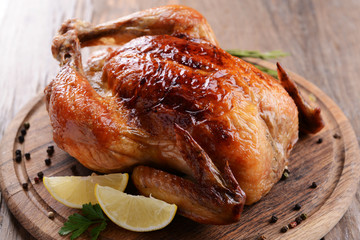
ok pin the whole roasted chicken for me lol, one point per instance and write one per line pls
(196, 126)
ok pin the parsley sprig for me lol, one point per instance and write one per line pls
(78, 224)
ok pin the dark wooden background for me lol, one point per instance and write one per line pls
(322, 37)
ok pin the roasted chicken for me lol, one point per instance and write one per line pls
(196, 126)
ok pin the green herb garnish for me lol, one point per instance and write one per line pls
(267, 70)
(256, 54)
(78, 224)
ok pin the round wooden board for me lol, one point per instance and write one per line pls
(333, 165)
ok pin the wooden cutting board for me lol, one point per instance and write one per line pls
(333, 164)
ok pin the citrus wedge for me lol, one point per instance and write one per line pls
(74, 191)
(135, 213)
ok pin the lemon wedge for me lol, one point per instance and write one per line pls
(74, 191)
(135, 213)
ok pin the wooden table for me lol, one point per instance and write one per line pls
(322, 37)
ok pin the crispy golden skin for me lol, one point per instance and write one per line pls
(169, 90)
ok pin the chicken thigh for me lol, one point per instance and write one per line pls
(197, 126)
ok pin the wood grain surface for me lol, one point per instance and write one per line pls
(322, 37)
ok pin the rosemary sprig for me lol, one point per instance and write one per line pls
(256, 54)
(269, 71)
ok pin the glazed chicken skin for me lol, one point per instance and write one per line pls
(197, 126)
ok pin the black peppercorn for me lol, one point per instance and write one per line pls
(297, 207)
(284, 229)
(23, 131)
(27, 156)
(298, 220)
(273, 219)
(40, 175)
(26, 125)
(25, 186)
(18, 158)
(18, 152)
(47, 161)
(50, 150)
(313, 185)
(303, 216)
(285, 175)
(21, 139)
(319, 141)
(336, 136)
(74, 170)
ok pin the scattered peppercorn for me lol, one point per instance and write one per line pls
(27, 156)
(313, 185)
(284, 229)
(297, 207)
(50, 150)
(285, 175)
(319, 141)
(73, 169)
(292, 224)
(298, 220)
(336, 136)
(51, 215)
(25, 186)
(23, 131)
(48, 162)
(21, 139)
(18, 152)
(40, 175)
(36, 179)
(18, 158)
(273, 219)
(26, 125)
(303, 216)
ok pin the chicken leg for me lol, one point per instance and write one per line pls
(213, 197)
